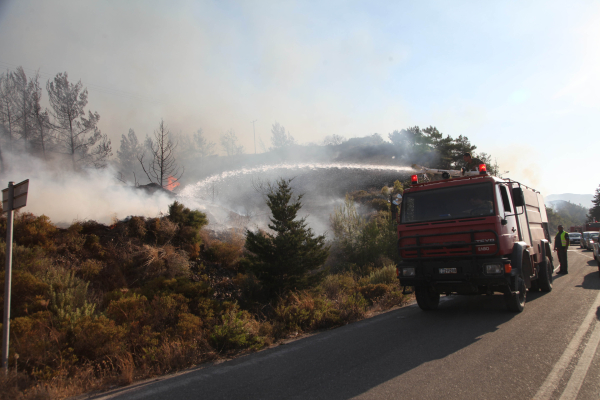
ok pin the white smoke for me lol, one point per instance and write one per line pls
(66, 196)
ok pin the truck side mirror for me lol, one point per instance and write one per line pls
(518, 198)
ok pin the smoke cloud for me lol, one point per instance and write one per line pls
(66, 196)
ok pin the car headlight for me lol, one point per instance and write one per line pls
(494, 269)
(408, 272)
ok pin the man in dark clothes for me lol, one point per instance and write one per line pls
(471, 164)
(561, 245)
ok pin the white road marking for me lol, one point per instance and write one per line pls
(581, 370)
(554, 377)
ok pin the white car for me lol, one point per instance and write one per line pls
(588, 239)
(596, 248)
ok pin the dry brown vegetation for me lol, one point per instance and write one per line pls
(94, 306)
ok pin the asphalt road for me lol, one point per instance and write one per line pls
(471, 348)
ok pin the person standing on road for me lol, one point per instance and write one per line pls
(471, 164)
(561, 245)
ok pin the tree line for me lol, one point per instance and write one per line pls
(69, 129)
(65, 128)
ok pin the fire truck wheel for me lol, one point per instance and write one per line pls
(545, 279)
(515, 302)
(427, 299)
(535, 286)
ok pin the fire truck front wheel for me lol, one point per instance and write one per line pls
(515, 301)
(427, 299)
(545, 279)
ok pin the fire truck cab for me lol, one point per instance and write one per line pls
(473, 235)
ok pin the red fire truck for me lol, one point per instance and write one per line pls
(475, 234)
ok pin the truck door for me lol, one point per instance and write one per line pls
(509, 231)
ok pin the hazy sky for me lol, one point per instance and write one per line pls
(520, 79)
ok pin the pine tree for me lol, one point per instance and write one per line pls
(594, 213)
(279, 138)
(287, 259)
(79, 137)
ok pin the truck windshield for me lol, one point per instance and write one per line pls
(448, 203)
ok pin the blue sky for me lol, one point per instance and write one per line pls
(520, 79)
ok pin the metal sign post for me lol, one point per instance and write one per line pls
(15, 196)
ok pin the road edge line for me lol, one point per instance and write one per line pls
(559, 369)
(581, 370)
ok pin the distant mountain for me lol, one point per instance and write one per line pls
(584, 199)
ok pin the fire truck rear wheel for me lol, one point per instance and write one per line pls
(515, 302)
(427, 299)
(545, 279)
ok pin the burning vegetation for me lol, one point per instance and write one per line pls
(96, 305)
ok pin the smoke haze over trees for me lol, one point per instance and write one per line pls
(62, 129)
(65, 133)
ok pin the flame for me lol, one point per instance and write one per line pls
(173, 183)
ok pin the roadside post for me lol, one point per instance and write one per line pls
(13, 197)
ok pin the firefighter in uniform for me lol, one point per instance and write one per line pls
(471, 164)
(561, 245)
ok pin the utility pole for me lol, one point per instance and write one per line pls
(254, 135)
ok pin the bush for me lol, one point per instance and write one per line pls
(30, 230)
(336, 286)
(164, 261)
(68, 296)
(28, 294)
(385, 275)
(136, 227)
(182, 215)
(97, 338)
(303, 312)
(227, 254)
(237, 331)
(371, 292)
(354, 307)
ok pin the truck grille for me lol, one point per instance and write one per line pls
(472, 243)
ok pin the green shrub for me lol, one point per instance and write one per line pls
(353, 307)
(97, 338)
(28, 294)
(237, 331)
(90, 269)
(136, 227)
(68, 296)
(164, 261)
(182, 215)
(226, 254)
(385, 275)
(303, 311)
(30, 230)
(371, 292)
(338, 285)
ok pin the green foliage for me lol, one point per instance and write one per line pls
(398, 187)
(429, 146)
(594, 211)
(358, 241)
(126, 301)
(28, 293)
(237, 331)
(566, 214)
(182, 215)
(302, 312)
(385, 275)
(289, 258)
(68, 296)
(30, 230)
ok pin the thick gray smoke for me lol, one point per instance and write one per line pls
(66, 196)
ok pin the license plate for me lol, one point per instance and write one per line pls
(448, 271)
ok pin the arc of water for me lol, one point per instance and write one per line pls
(191, 191)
